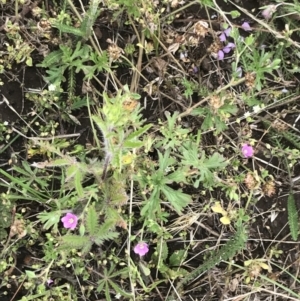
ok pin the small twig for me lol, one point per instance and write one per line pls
(13, 297)
(137, 72)
(46, 138)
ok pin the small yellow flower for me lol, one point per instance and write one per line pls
(217, 208)
(127, 159)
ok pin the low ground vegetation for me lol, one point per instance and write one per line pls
(149, 150)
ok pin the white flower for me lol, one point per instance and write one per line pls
(247, 114)
(51, 87)
(183, 55)
(256, 109)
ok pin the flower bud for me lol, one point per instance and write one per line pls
(268, 11)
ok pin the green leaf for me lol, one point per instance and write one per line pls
(55, 74)
(171, 119)
(107, 294)
(235, 14)
(179, 272)
(119, 290)
(51, 59)
(100, 63)
(274, 65)
(74, 241)
(293, 216)
(148, 208)
(208, 122)
(165, 160)
(177, 176)
(152, 205)
(163, 251)
(87, 248)
(79, 103)
(292, 136)
(92, 225)
(61, 162)
(249, 40)
(132, 144)
(199, 112)
(177, 199)
(105, 232)
(89, 18)
(227, 251)
(71, 171)
(49, 219)
(82, 229)
(26, 187)
(30, 274)
(220, 125)
(100, 123)
(190, 152)
(215, 161)
(205, 166)
(105, 236)
(78, 186)
(145, 270)
(177, 258)
(229, 108)
(100, 287)
(30, 174)
(116, 192)
(64, 28)
(29, 62)
(139, 132)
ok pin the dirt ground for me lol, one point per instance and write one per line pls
(265, 231)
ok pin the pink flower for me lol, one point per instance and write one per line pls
(247, 150)
(49, 281)
(141, 248)
(268, 11)
(246, 26)
(70, 221)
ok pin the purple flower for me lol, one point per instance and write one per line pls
(70, 221)
(246, 26)
(225, 34)
(247, 150)
(220, 55)
(222, 37)
(226, 49)
(141, 248)
(227, 31)
(268, 11)
(49, 282)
